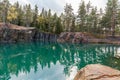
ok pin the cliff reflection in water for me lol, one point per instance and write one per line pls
(22, 57)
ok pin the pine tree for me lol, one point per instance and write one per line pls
(28, 15)
(93, 20)
(16, 5)
(109, 19)
(68, 17)
(82, 16)
(21, 16)
(35, 15)
(5, 8)
(49, 20)
(1, 11)
(58, 28)
(54, 20)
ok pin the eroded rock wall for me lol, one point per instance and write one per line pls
(15, 35)
(45, 36)
(72, 37)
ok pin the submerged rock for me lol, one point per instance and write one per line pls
(72, 37)
(97, 72)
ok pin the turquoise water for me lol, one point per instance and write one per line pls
(52, 61)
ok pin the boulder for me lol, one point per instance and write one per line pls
(97, 72)
(72, 37)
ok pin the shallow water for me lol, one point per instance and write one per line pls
(52, 61)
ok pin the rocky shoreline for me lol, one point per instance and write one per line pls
(14, 33)
(79, 37)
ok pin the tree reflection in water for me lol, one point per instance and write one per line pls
(22, 57)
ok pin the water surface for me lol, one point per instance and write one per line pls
(52, 61)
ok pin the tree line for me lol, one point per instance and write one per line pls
(26, 16)
(88, 19)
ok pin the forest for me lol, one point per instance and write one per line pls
(88, 19)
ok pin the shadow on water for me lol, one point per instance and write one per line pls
(22, 57)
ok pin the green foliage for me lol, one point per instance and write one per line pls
(68, 17)
(82, 16)
(28, 15)
(48, 22)
(12, 14)
(109, 19)
(35, 16)
(88, 19)
(58, 26)
(5, 6)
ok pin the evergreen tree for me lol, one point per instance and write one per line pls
(109, 19)
(82, 16)
(28, 15)
(62, 20)
(88, 6)
(35, 15)
(49, 20)
(88, 17)
(21, 16)
(68, 17)
(58, 28)
(1, 11)
(5, 8)
(73, 24)
(93, 20)
(16, 5)
(54, 20)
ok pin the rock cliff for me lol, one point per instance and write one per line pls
(45, 36)
(14, 33)
(72, 37)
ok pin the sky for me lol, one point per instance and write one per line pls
(58, 5)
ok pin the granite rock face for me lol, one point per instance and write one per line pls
(72, 37)
(14, 33)
(45, 36)
(97, 72)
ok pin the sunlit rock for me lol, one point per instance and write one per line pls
(97, 72)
